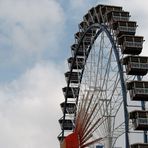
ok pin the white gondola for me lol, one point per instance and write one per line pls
(77, 64)
(70, 107)
(139, 119)
(87, 39)
(113, 16)
(138, 90)
(136, 65)
(139, 145)
(70, 92)
(79, 52)
(131, 44)
(107, 8)
(88, 19)
(74, 77)
(66, 125)
(124, 27)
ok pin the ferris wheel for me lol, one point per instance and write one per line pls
(107, 89)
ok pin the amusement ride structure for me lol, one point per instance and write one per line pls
(107, 90)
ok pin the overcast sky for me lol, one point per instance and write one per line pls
(35, 40)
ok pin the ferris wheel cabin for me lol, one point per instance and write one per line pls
(131, 44)
(136, 65)
(77, 64)
(139, 119)
(81, 50)
(71, 92)
(74, 77)
(113, 16)
(70, 107)
(83, 25)
(107, 8)
(124, 27)
(139, 145)
(138, 90)
(66, 124)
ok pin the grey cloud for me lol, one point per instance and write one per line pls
(29, 109)
(32, 26)
(29, 31)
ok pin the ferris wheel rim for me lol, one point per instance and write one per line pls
(109, 31)
(104, 28)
